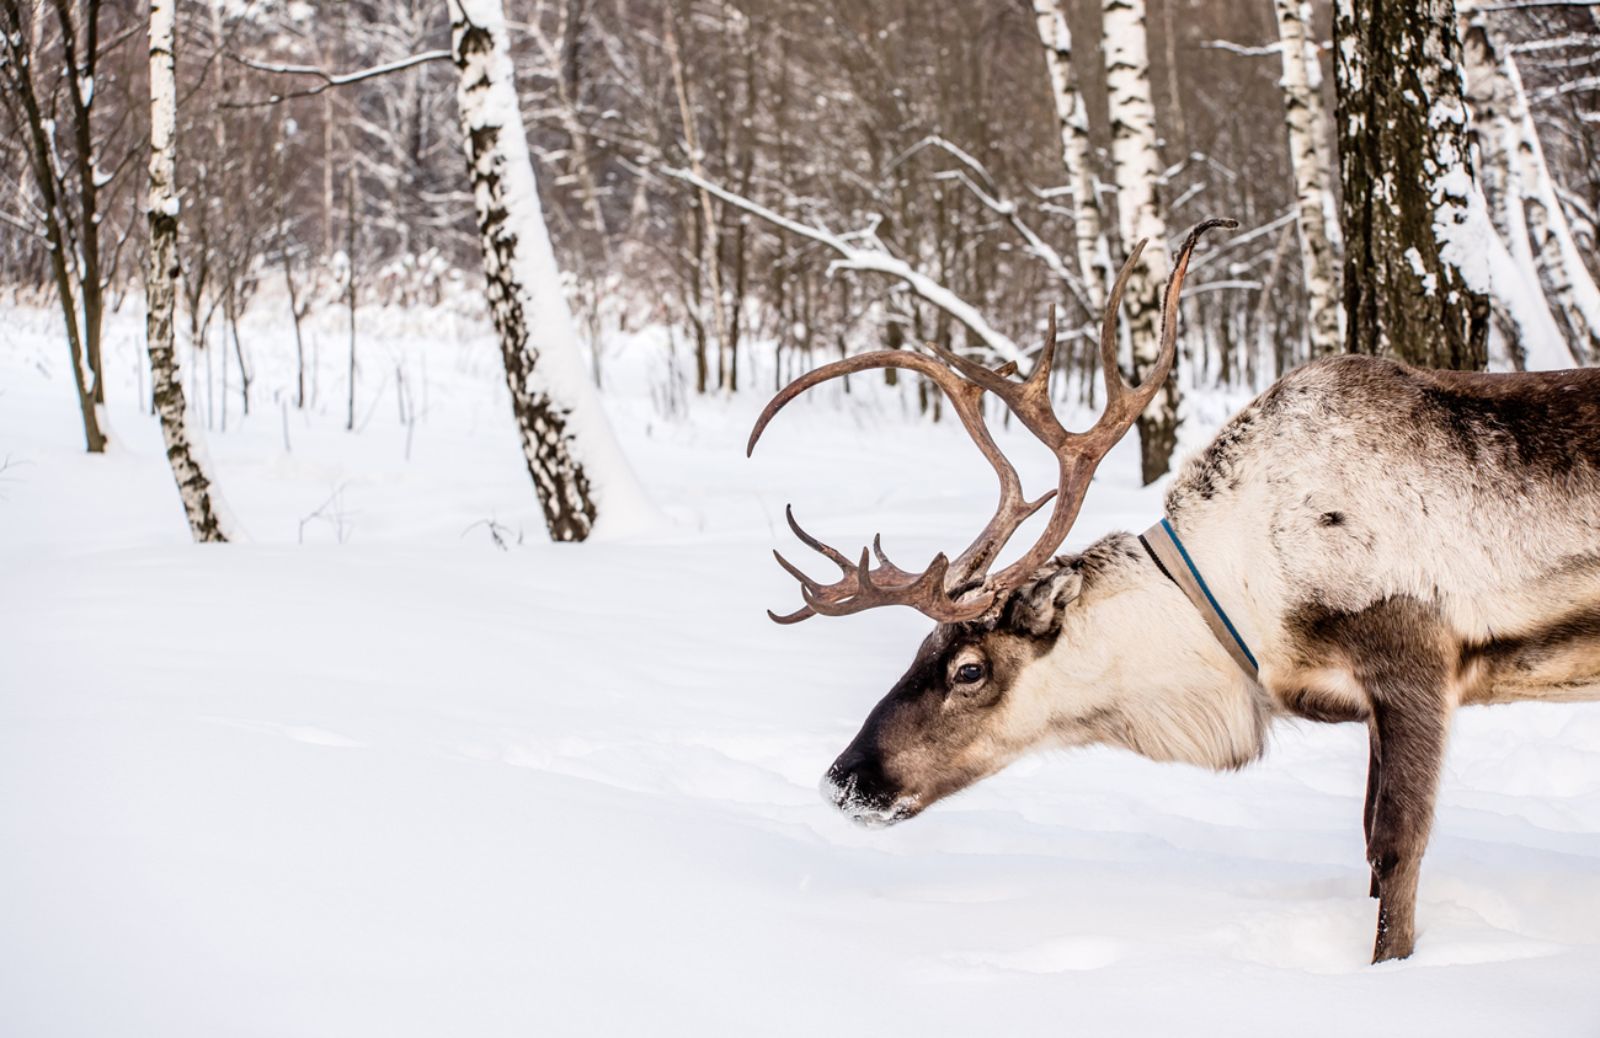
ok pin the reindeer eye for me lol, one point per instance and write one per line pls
(969, 673)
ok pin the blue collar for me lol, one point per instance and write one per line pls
(1172, 559)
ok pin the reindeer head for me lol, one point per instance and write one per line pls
(973, 699)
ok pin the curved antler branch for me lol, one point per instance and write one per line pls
(946, 590)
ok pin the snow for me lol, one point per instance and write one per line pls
(416, 785)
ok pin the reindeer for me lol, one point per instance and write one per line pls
(1364, 542)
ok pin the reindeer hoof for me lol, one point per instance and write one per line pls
(1383, 954)
(1393, 942)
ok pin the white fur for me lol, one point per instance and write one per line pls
(1492, 553)
(1135, 665)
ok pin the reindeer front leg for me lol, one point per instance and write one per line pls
(1409, 722)
(1374, 765)
(1400, 653)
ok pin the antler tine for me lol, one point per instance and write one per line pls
(965, 395)
(795, 571)
(1039, 377)
(1169, 304)
(885, 566)
(926, 594)
(834, 555)
(1110, 370)
(1124, 404)
(1156, 377)
(925, 366)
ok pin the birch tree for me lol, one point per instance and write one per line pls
(1416, 236)
(578, 469)
(194, 487)
(1072, 122)
(1308, 158)
(1136, 170)
(1522, 199)
(66, 177)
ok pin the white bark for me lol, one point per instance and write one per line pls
(1072, 120)
(1528, 266)
(183, 451)
(1313, 177)
(583, 481)
(1136, 171)
(1558, 264)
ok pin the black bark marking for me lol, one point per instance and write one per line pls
(1396, 69)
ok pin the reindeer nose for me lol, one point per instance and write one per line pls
(858, 776)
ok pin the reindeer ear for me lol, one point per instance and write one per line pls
(1036, 607)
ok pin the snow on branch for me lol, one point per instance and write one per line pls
(950, 148)
(1574, 86)
(871, 257)
(1244, 50)
(989, 195)
(1519, 5)
(328, 79)
(1265, 50)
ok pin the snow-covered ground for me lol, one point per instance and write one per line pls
(370, 774)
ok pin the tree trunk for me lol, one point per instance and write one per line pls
(350, 295)
(1312, 178)
(1415, 269)
(1136, 168)
(1527, 325)
(1072, 120)
(194, 487)
(710, 246)
(577, 467)
(1523, 203)
(65, 254)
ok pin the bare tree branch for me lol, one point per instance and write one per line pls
(873, 258)
(328, 79)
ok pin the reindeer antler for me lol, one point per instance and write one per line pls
(951, 591)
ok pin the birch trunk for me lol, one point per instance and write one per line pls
(1136, 170)
(1072, 120)
(1416, 269)
(578, 470)
(1521, 193)
(1313, 179)
(1526, 321)
(161, 283)
(68, 251)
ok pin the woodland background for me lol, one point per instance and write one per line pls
(927, 132)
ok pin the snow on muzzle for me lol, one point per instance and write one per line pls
(857, 786)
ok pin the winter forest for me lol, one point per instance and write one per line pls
(383, 577)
